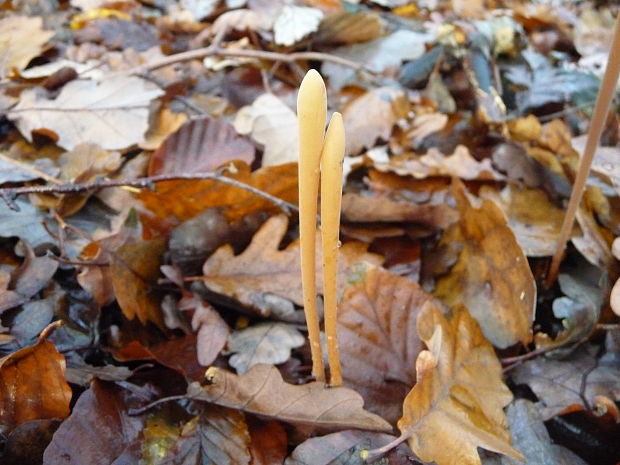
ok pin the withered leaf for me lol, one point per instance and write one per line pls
(268, 343)
(458, 400)
(98, 432)
(203, 144)
(491, 276)
(570, 384)
(134, 269)
(262, 391)
(33, 386)
(262, 269)
(212, 332)
(184, 200)
(218, 436)
(378, 339)
(269, 442)
(23, 39)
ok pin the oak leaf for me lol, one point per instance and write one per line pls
(456, 405)
(33, 386)
(262, 391)
(112, 113)
(491, 276)
(262, 270)
(378, 339)
(23, 39)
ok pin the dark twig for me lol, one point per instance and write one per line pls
(9, 193)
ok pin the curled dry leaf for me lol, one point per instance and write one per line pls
(184, 200)
(570, 384)
(457, 403)
(271, 123)
(200, 145)
(218, 436)
(262, 391)
(33, 386)
(378, 339)
(460, 164)
(263, 271)
(372, 116)
(98, 432)
(112, 113)
(491, 276)
(23, 39)
(134, 269)
(268, 343)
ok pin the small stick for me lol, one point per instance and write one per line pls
(312, 114)
(603, 102)
(331, 195)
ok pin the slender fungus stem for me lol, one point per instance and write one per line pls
(603, 102)
(331, 194)
(312, 115)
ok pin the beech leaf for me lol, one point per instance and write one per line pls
(262, 270)
(457, 403)
(112, 113)
(262, 391)
(491, 276)
(23, 39)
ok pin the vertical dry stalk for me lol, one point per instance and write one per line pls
(603, 102)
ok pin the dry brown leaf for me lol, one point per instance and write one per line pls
(262, 391)
(271, 123)
(184, 199)
(165, 123)
(23, 39)
(378, 339)
(570, 384)
(268, 343)
(218, 436)
(263, 271)
(346, 27)
(33, 386)
(491, 276)
(372, 116)
(212, 331)
(457, 404)
(134, 271)
(201, 145)
(112, 113)
(360, 208)
(532, 217)
(460, 164)
(269, 442)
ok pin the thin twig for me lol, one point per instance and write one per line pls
(603, 102)
(147, 182)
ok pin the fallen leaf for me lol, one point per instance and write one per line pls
(33, 386)
(134, 269)
(491, 276)
(200, 9)
(112, 113)
(269, 442)
(362, 208)
(570, 384)
(25, 223)
(268, 343)
(241, 20)
(23, 39)
(434, 163)
(98, 432)
(294, 23)
(532, 217)
(165, 123)
(184, 200)
(26, 443)
(217, 436)
(347, 27)
(261, 391)
(372, 116)
(212, 334)
(262, 270)
(377, 337)
(201, 145)
(271, 123)
(346, 448)
(457, 403)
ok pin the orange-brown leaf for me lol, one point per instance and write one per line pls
(33, 386)
(457, 403)
(134, 270)
(262, 391)
(491, 276)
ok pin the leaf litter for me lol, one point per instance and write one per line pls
(150, 287)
